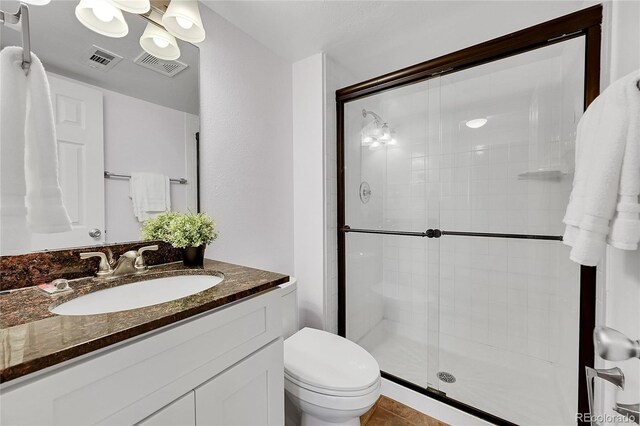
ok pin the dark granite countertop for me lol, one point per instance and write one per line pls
(34, 338)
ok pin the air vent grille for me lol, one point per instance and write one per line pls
(101, 59)
(166, 68)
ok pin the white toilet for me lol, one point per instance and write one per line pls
(331, 380)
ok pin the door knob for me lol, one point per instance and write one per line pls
(95, 233)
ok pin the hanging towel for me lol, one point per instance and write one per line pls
(603, 207)
(29, 190)
(150, 194)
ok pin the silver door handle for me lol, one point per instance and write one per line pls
(95, 233)
(630, 411)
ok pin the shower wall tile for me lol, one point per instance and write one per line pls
(511, 300)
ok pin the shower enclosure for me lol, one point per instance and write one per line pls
(453, 180)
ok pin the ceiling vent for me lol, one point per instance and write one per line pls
(166, 68)
(101, 59)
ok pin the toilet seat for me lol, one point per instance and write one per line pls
(331, 392)
(328, 364)
(335, 402)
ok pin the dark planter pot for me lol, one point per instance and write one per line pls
(193, 256)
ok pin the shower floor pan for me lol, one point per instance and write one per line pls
(513, 386)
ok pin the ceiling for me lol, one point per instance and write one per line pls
(370, 38)
(62, 44)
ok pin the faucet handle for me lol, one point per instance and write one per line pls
(104, 268)
(147, 248)
(140, 264)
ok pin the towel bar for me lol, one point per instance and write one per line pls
(109, 175)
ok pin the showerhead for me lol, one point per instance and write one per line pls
(377, 133)
(612, 345)
(379, 121)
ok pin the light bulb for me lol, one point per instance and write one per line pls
(392, 142)
(160, 42)
(184, 23)
(476, 123)
(182, 20)
(103, 11)
(375, 145)
(367, 140)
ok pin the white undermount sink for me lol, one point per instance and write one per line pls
(137, 295)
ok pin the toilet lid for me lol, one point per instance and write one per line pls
(326, 361)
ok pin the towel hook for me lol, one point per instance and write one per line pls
(21, 17)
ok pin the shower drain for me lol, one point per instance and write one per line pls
(446, 377)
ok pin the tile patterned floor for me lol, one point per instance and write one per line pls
(388, 412)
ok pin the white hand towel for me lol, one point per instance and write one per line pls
(29, 187)
(150, 195)
(14, 234)
(603, 207)
(45, 209)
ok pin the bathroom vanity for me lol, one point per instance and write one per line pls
(201, 359)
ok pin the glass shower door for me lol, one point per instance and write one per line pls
(391, 201)
(508, 293)
(485, 312)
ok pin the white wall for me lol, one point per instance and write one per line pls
(618, 299)
(143, 137)
(246, 147)
(308, 188)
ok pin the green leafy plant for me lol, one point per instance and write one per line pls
(181, 230)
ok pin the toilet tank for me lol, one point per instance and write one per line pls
(289, 308)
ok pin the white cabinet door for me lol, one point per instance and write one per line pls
(181, 412)
(251, 393)
(78, 115)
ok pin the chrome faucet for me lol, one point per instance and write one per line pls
(129, 263)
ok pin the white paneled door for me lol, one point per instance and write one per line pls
(77, 111)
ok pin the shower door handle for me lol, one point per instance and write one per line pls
(434, 233)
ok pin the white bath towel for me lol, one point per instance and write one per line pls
(603, 207)
(150, 195)
(29, 188)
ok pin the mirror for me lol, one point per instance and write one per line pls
(117, 111)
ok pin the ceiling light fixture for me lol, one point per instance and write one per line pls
(159, 43)
(133, 6)
(182, 19)
(476, 123)
(102, 17)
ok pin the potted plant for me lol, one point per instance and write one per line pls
(190, 232)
